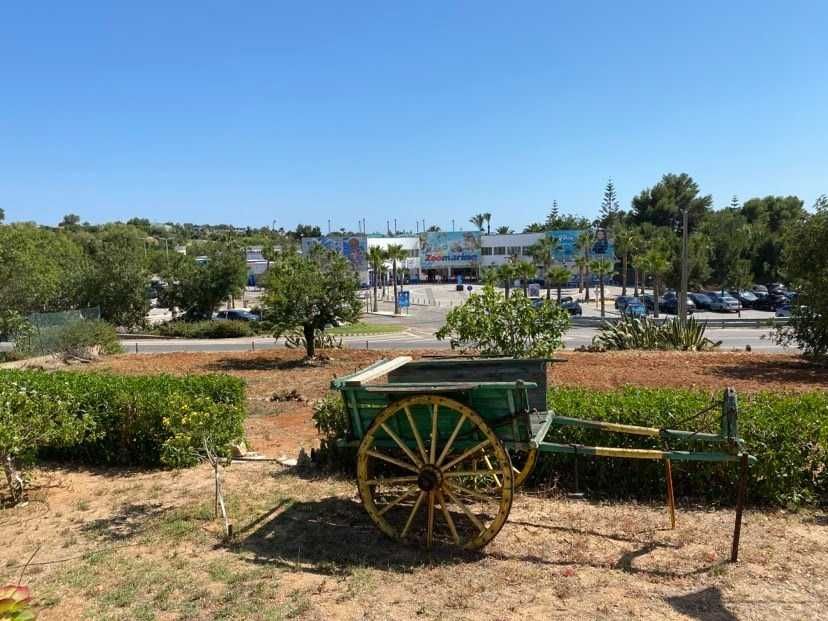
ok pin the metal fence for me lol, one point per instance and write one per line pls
(45, 330)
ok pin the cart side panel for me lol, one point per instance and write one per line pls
(499, 407)
(478, 370)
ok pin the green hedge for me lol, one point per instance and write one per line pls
(137, 420)
(209, 329)
(788, 433)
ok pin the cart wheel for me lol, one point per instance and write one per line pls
(523, 463)
(420, 475)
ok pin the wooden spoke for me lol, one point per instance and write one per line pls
(413, 513)
(398, 500)
(448, 518)
(451, 439)
(430, 531)
(391, 480)
(393, 460)
(434, 414)
(474, 519)
(468, 473)
(416, 433)
(468, 453)
(409, 453)
(471, 492)
(489, 464)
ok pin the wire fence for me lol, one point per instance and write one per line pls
(45, 331)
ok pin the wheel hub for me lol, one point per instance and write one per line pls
(430, 478)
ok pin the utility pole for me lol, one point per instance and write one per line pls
(452, 225)
(682, 302)
(329, 226)
(395, 226)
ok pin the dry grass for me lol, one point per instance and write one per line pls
(127, 545)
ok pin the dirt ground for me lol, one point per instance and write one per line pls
(143, 545)
(279, 429)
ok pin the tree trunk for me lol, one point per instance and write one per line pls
(506, 287)
(624, 275)
(559, 294)
(394, 276)
(310, 341)
(656, 287)
(526, 287)
(586, 285)
(375, 291)
(580, 279)
(13, 478)
(636, 273)
(602, 295)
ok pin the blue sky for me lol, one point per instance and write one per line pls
(248, 112)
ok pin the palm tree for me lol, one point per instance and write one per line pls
(584, 244)
(525, 271)
(503, 230)
(658, 264)
(488, 218)
(558, 276)
(376, 258)
(490, 276)
(625, 239)
(478, 220)
(542, 251)
(602, 267)
(394, 253)
(506, 273)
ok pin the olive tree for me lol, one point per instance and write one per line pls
(495, 325)
(310, 292)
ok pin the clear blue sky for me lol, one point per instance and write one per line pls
(244, 112)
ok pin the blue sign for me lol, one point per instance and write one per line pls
(404, 299)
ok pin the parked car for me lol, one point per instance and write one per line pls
(622, 301)
(236, 314)
(723, 303)
(759, 290)
(701, 300)
(746, 298)
(783, 311)
(770, 302)
(670, 304)
(631, 306)
(573, 306)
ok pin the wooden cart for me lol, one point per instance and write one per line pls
(444, 443)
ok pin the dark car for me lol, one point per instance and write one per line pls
(573, 306)
(771, 302)
(621, 302)
(237, 314)
(634, 308)
(701, 300)
(747, 298)
(669, 304)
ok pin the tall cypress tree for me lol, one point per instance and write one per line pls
(610, 209)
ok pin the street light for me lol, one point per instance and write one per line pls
(682, 302)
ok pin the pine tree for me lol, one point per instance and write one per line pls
(734, 202)
(554, 216)
(610, 209)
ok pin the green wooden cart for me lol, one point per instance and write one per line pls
(444, 442)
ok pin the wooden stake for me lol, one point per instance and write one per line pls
(671, 499)
(740, 505)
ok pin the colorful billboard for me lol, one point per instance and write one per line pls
(352, 247)
(449, 249)
(568, 251)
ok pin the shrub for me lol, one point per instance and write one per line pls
(788, 434)
(74, 338)
(330, 417)
(646, 333)
(209, 329)
(137, 420)
(495, 325)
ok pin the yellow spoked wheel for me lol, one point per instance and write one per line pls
(523, 463)
(432, 472)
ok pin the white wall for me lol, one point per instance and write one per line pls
(509, 244)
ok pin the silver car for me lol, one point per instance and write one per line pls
(723, 303)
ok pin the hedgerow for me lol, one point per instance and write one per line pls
(208, 329)
(113, 419)
(788, 434)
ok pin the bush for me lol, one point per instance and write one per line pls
(788, 434)
(646, 333)
(495, 325)
(330, 417)
(210, 329)
(74, 338)
(135, 420)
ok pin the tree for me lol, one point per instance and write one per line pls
(478, 220)
(199, 287)
(558, 276)
(525, 271)
(657, 263)
(2, 215)
(729, 236)
(542, 252)
(307, 230)
(376, 259)
(433, 229)
(601, 267)
(769, 218)
(534, 227)
(503, 230)
(395, 253)
(507, 274)
(116, 277)
(488, 218)
(625, 245)
(662, 204)
(584, 245)
(311, 292)
(610, 209)
(806, 264)
(513, 326)
(70, 220)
